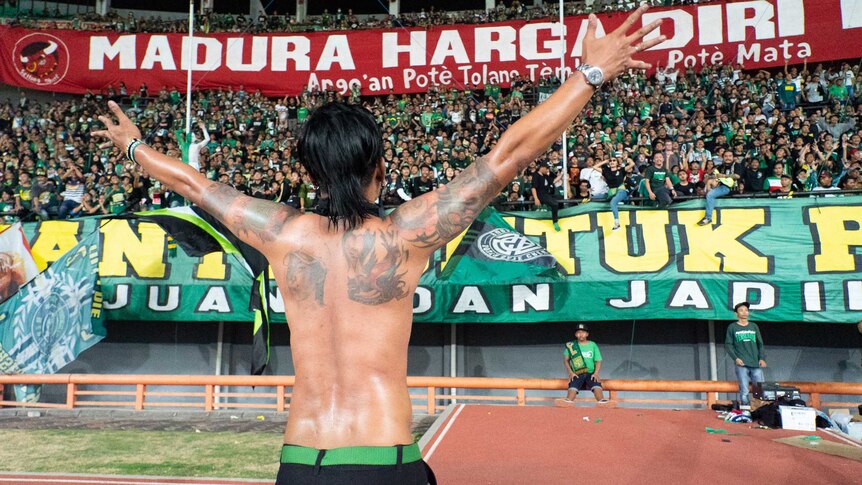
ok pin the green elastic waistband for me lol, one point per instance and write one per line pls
(352, 455)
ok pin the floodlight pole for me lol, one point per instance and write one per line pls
(562, 80)
(189, 68)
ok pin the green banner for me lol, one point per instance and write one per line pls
(545, 92)
(793, 259)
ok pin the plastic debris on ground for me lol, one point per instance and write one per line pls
(735, 416)
(738, 418)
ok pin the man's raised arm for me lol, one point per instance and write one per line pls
(256, 222)
(429, 221)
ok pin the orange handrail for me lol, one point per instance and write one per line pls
(425, 389)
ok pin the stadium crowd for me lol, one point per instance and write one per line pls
(338, 19)
(755, 132)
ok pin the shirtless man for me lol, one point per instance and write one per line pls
(347, 277)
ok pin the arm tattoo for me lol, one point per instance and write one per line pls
(244, 215)
(415, 219)
(375, 262)
(305, 276)
(434, 219)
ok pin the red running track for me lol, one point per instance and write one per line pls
(52, 479)
(548, 445)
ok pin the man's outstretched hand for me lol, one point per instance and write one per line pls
(613, 52)
(121, 133)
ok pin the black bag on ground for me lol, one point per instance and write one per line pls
(769, 414)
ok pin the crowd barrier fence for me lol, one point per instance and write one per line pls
(429, 394)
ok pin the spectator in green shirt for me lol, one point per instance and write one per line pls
(116, 196)
(427, 119)
(175, 97)
(301, 114)
(436, 119)
(583, 362)
(22, 192)
(393, 120)
(184, 142)
(657, 182)
(492, 91)
(838, 91)
(787, 93)
(744, 345)
(8, 208)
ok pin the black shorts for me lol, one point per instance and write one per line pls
(584, 382)
(416, 473)
(301, 471)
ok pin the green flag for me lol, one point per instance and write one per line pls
(493, 252)
(199, 233)
(55, 317)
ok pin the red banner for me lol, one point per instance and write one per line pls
(756, 33)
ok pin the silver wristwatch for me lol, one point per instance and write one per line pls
(594, 75)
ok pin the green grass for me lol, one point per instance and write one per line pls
(119, 452)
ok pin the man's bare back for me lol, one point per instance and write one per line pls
(348, 289)
(348, 298)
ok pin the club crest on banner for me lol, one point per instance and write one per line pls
(41, 59)
(503, 245)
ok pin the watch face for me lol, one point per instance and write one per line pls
(594, 76)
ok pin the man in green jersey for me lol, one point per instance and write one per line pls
(657, 182)
(744, 345)
(786, 92)
(301, 114)
(583, 363)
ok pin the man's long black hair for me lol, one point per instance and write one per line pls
(341, 146)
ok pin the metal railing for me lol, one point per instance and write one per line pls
(526, 205)
(429, 394)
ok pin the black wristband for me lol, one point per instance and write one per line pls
(130, 150)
